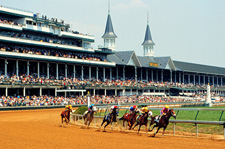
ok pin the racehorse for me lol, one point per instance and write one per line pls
(130, 118)
(163, 122)
(110, 118)
(88, 117)
(143, 120)
(66, 115)
(125, 118)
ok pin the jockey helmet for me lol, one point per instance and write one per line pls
(131, 108)
(70, 106)
(92, 105)
(166, 106)
(134, 106)
(115, 107)
(146, 109)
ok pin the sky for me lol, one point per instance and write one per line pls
(187, 30)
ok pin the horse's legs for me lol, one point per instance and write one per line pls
(108, 122)
(150, 126)
(157, 131)
(102, 122)
(135, 125)
(139, 128)
(164, 128)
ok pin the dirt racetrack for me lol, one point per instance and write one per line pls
(41, 129)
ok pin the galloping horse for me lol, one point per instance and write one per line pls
(110, 118)
(163, 122)
(66, 114)
(125, 118)
(143, 120)
(89, 116)
(130, 118)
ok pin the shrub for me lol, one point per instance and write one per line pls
(81, 110)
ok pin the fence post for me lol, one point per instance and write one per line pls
(78, 119)
(196, 130)
(82, 121)
(174, 129)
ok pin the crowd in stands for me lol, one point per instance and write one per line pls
(56, 40)
(75, 82)
(80, 100)
(10, 22)
(65, 54)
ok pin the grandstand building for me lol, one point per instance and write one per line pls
(35, 45)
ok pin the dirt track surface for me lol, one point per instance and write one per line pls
(41, 129)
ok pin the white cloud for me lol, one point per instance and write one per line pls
(132, 4)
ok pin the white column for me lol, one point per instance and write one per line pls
(147, 75)
(24, 91)
(115, 92)
(189, 79)
(157, 76)
(57, 71)
(183, 77)
(94, 91)
(141, 74)
(194, 79)
(175, 77)
(48, 71)
(217, 80)
(162, 76)
(40, 91)
(17, 68)
(221, 81)
(204, 79)
(130, 91)
(97, 73)
(116, 72)
(28, 68)
(74, 71)
(123, 72)
(135, 73)
(103, 73)
(213, 79)
(105, 92)
(179, 77)
(66, 70)
(38, 69)
(55, 92)
(82, 72)
(199, 79)
(209, 80)
(110, 77)
(89, 72)
(171, 76)
(6, 91)
(152, 75)
(6, 63)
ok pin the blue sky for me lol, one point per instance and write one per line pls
(186, 30)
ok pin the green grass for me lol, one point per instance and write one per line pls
(191, 115)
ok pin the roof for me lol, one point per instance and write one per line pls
(146, 60)
(125, 56)
(109, 32)
(199, 68)
(148, 37)
(114, 58)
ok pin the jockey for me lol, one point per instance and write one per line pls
(163, 112)
(144, 110)
(68, 107)
(113, 108)
(90, 108)
(132, 110)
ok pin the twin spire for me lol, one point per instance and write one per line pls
(109, 36)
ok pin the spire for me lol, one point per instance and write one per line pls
(109, 32)
(148, 37)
